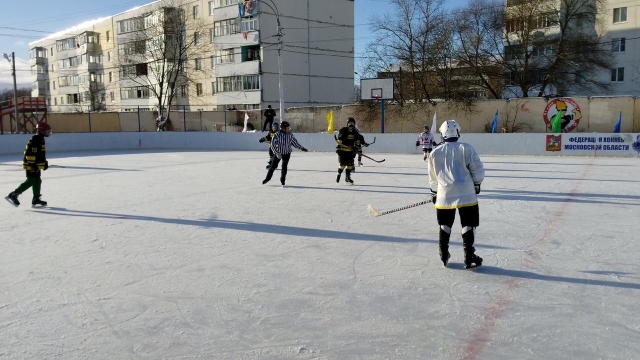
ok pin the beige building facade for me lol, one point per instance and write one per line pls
(92, 66)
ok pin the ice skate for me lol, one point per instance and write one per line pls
(471, 260)
(12, 198)
(265, 181)
(282, 182)
(37, 202)
(338, 178)
(360, 163)
(445, 257)
(348, 179)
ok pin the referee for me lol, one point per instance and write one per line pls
(281, 145)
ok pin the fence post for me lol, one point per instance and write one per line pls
(313, 120)
(225, 121)
(139, 127)
(89, 112)
(184, 117)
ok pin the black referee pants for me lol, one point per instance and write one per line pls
(274, 165)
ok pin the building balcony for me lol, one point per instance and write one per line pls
(38, 61)
(233, 12)
(232, 69)
(39, 77)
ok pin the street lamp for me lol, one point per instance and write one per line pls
(12, 62)
(274, 8)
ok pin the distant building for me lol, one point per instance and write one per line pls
(94, 65)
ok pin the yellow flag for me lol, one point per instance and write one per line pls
(330, 122)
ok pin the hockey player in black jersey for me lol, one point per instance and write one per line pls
(274, 128)
(34, 160)
(362, 143)
(347, 148)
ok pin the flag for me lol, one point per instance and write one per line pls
(246, 121)
(494, 123)
(616, 127)
(434, 124)
(330, 122)
(556, 123)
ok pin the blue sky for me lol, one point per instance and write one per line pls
(42, 17)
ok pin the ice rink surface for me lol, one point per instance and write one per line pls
(185, 255)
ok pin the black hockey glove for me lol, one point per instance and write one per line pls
(261, 140)
(417, 143)
(304, 150)
(434, 196)
(366, 145)
(46, 165)
(477, 186)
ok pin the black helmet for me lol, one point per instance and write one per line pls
(284, 124)
(351, 120)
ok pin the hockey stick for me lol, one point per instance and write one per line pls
(374, 141)
(375, 213)
(372, 159)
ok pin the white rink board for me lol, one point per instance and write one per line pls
(582, 144)
(185, 255)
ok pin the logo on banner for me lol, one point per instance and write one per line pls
(554, 142)
(569, 111)
(636, 144)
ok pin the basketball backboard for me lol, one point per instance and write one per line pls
(376, 89)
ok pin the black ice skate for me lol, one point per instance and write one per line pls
(12, 198)
(445, 257)
(471, 260)
(338, 178)
(359, 163)
(36, 202)
(348, 179)
(282, 182)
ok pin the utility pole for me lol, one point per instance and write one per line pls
(15, 86)
(279, 34)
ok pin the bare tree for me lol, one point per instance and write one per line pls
(411, 37)
(539, 45)
(8, 93)
(167, 53)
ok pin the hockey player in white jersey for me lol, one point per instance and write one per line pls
(455, 175)
(427, 141)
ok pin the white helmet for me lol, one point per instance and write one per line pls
(450, 129)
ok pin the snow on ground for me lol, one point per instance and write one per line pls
(185, 255)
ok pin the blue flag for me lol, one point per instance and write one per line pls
(616, 127)
(494, 123)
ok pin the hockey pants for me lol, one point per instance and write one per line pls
(33, 181)
(274, 165)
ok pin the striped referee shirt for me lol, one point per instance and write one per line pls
(282, 142)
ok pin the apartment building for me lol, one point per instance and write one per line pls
(219, 54)
(618, 23)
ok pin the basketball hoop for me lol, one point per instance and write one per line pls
(376, 98)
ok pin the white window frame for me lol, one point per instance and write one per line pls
(617, 75)
(250, 24)
(618, 45)
(196, 12)
(199, 91)
(211, 8)
(620, 12)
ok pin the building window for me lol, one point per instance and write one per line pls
(198, 64)
(55, 101)
(136, 47)
(196, 11)
(51, 52)
(112, 96)
(130, 25)
(213, 61)
(199, 89)
(221, 3)
(110, 76)
(226, 27)
(213, 88)
(249, 25)
(196, 38)
(619, 15)
(183, 90)
(109, 56)
(617, 75)
(138, 92)
(224, 56)
(618, 45)
(211, 7)
(54, 85)
(108, 36)
(211, 35)
(250, 53)
(251, 82)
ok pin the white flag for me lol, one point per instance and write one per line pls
(434, 125)
(246, 121)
